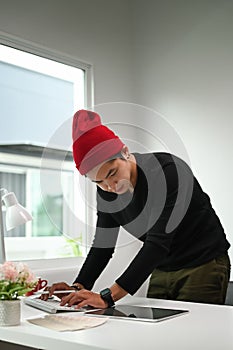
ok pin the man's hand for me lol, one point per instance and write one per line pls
(82, 298)
(56, 286)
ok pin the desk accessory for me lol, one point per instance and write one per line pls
(10, 288)
(106, 295)
(16, 279)
(16, 215)
(68, 322)
(137, 313)
(52, 306)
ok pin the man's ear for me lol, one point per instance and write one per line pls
(125, 152)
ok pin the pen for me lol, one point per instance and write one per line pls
(55, 292)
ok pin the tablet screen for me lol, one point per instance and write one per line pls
(140, 313)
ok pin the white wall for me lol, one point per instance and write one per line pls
(96, 32)
(183, 54)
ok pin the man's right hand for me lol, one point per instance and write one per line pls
(56, 286)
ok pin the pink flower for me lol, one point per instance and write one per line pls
(8, 271)
(25, 275)
(15, 277)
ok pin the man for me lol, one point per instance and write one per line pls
(156, 198)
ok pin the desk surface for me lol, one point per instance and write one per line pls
(204, 327)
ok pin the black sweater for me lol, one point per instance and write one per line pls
(174, 219)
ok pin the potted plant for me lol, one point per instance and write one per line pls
(16, 280)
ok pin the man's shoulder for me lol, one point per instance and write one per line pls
(162, 158)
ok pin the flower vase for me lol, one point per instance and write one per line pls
(10, 312)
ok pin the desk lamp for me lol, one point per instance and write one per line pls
(16, 215)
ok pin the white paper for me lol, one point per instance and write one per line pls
(69, 322)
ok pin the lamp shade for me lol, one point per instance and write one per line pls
(16, 214)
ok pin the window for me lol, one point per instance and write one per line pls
(39, 96)
(44, 191)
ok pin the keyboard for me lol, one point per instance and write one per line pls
(51, 306)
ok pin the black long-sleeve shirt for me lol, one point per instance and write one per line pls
(168, 211)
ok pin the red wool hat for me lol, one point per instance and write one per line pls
(93, 143)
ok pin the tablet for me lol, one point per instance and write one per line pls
(137, 313)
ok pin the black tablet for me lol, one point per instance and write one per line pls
(137, 313)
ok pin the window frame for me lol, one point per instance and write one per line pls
(39, 50)
(42, 51)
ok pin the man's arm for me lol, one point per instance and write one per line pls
(85, 297)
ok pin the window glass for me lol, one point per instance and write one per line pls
(16, 182)
(39, 96)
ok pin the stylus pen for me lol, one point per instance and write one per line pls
(55, 292)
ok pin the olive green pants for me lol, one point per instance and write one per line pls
(206, 283)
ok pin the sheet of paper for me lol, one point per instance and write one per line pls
(69, 322)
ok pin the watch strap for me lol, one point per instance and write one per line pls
(106, 295)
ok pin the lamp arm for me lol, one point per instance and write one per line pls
(2, 243)
(3, 191)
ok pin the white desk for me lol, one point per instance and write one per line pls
(205, 327)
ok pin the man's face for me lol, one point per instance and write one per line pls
(113, 176)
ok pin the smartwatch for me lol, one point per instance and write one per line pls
(106, 295)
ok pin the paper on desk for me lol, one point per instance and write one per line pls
(63, 323)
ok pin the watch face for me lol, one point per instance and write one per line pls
(105, 292)
(106, 295)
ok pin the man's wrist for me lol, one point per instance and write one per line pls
(77, 286)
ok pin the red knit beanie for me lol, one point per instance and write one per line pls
(93, 143)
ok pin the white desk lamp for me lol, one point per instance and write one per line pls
(16, 215)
